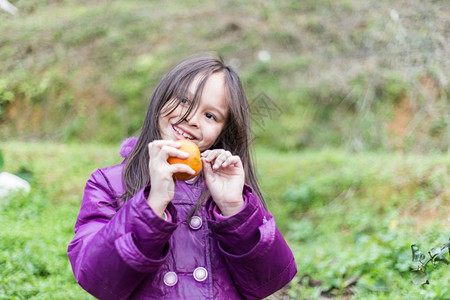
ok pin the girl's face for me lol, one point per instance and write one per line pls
(205, 122)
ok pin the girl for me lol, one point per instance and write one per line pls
(142, 235)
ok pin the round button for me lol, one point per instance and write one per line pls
(170, 278)
(195, 223)
(200, 274)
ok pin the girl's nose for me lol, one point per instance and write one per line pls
(193, 119)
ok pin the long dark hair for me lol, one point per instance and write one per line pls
(235, 136)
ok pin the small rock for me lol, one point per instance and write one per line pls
(10, 182)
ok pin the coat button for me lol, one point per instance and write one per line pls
(200, 274)
(195, 223)
(170, 278)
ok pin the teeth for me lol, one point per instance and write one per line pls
(188, 136)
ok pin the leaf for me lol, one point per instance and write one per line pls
(419, 277)
(415, 265)
(434, 252)
(416, 254)
(441, 257)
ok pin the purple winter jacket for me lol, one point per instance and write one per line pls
(131, 253)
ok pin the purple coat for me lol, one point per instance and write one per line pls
(133, 253)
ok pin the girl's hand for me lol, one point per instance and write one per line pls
(224, 176)
(161, 173)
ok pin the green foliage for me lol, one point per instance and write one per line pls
(351, 217)
(33, 259)
(39, 226)
(419, 264)
(2, 161)
(6, 96)
(131, 88)
(336, 70)
(322, 189)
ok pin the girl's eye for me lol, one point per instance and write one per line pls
(210, 116)
(184, 101)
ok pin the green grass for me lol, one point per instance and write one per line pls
(37, 228)
(349, 218)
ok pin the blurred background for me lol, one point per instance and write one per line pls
(364, 75)
(351, 122)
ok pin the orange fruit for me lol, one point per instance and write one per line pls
(192, 161)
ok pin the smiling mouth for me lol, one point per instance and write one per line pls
(182, 133)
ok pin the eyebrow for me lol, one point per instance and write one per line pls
(190, 95)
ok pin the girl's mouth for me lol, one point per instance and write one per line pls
(182, 133)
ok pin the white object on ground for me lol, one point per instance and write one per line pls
(10, 182)
(8, 7)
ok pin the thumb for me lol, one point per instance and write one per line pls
(207, 169)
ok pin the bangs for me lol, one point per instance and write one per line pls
(181, 91)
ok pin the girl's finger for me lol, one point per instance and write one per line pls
(205, 153)
(210, 155)
(221, 159)
(166, 148)
(214, 154)
(169, 151)
(207, 166)
(233, 160)
(158, 144)
(181, 168)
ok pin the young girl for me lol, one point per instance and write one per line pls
(142, 235)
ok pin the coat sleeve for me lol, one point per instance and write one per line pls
(113, 251)
(258, 257)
